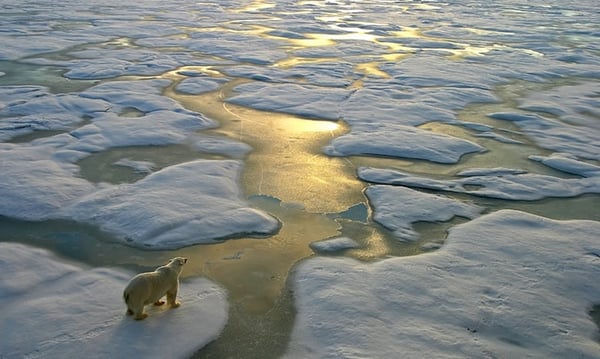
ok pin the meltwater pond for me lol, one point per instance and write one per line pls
(316, 161)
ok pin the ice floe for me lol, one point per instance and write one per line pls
(40, 179)
(155, 128)
(198, 85)
(143, 95)
(575, 104)
(397, 208)
(25, 109)
(508, 284)
(569, 164)
(53, 309)
(511, 186)
(332, 245)
(556, 135)
(181, 205)
(137, 166)
(400, 141)
(301, 100)
(33, 185)
(498, 137)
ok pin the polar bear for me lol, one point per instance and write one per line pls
(150, 287)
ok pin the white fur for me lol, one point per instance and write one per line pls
(150, 287)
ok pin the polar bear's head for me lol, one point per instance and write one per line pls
(177, 263)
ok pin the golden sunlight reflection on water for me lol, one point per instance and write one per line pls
(288, 176)
(286, 161)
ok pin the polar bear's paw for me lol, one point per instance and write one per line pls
(141, 316)
(159, 302)
(175, 305)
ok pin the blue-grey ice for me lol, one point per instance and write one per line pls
(333, 245)
(508, 284)
(397, 208)
(52, 309)
(181, 205)
(511, 186)
(401, 141)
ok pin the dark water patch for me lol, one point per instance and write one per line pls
(595, 315)
(130, 164)
(581, 207)
(131, 112)
(21, 74)
(34, 136)
(77, 242)
(270, 332)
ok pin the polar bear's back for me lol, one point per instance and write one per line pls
(149, 287)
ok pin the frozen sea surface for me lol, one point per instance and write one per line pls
(52, 309)
(508, 284)
(444, 109)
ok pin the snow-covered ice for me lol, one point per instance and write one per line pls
(507, 285)
(34, 186)
(569, 164)
(519, 186)
(137, 166)
(575, 104)
(40, 179)
(401, 141)
(25, 109)
(556, 135)
(332, 245)
(197, 85)
(52, 309)
(397, 208)
(156, 213)
(301, 100)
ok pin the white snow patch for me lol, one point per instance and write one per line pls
(577, 104)
(397, 208)
(25, 109)
(137, 166)
(198, 85)
(507, 285)
(498, 137)
(556, 135)
(190, 203)
(57, 310)
(160, 127)
(569, 164)
(334, 244)
(143, 95)
(33, 185)
(219, 145)
(400, 141)
(525, 187)
(496, 171)
(301, 100)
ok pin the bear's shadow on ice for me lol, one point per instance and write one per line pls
(595, 315)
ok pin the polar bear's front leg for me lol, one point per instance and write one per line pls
(172, 298)
(140, 316)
